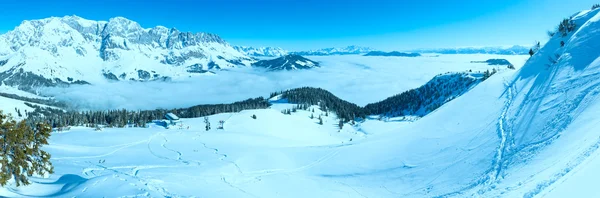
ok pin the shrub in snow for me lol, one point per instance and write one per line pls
(551, 33)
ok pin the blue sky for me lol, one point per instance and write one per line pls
(310, 24)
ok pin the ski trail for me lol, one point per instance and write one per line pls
(493, 174)
(502, 128)
(149, 184)
(238, 188)
(120, 147)
(165, 147)
(222, 156)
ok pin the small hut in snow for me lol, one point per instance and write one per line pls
(173, 119)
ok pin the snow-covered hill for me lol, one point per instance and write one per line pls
(287, 62)
(75, 50)
(353, 49)
(513, 50)
(261, 51)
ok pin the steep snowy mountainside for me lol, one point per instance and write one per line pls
(517, 134)
(70, 49)
(353, 49)
(261, 51)
(287, 62)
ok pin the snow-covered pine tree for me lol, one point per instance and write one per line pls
(21, 155)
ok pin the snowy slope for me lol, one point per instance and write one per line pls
(185, 162)
(513, 135)
(68, 49)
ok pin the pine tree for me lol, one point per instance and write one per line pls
(320, 120)
(21, 155)
(207, 123)
(253, 116)
(341, 124)
(312, 116)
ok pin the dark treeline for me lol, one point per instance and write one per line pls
(425, 99)
(418, 101)
(122, 118)
(326, 100)
(48, 102)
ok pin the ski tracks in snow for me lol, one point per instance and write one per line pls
(505, 135)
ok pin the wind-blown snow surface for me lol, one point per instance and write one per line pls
(355, 78)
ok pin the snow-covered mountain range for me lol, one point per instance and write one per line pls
(513, 50)
(71, 49)
(353, 49)
(393, 53)
(262, 51)
(277, 51)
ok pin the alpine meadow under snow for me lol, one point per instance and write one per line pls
(432, 125)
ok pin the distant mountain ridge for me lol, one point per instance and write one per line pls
(353, 49)
(393, 53)
(262, 51)
(513, 50)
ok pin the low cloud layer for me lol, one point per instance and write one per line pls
(354, 78)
